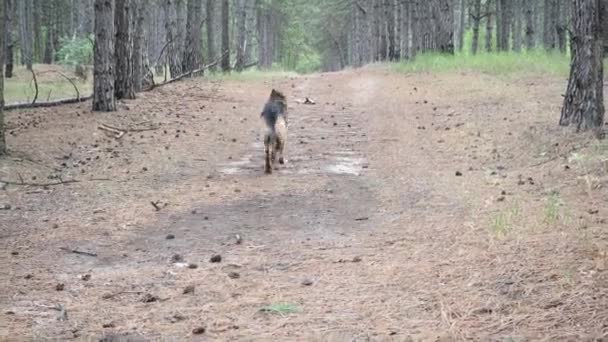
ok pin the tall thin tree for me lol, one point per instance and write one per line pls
(193, 48)
(225, 36)
(9, 36)
(104, 64)
(124, 87)
(3, 29)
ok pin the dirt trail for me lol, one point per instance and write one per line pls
(412, 207)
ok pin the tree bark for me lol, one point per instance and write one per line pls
(584, 101)
(193, 49)
(549, 25)
(9, 37)
(560, 25)
(476, 16)
(103, 70)
(517, 24)
(504, 24)
(172, 52)
(124, 87)
(225, 36)
(26, 32)
(241, 34)
(530, 25)
(138, 12)
(210, 12)
(489, 25)
(4, 27)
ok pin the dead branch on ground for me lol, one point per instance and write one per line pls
(39, 184)
(192, 72)
(75, 251)
(47, 104)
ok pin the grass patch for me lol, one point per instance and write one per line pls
(281, 308)
(501, 223)
(51, 85)
(23, 91)
(552, 211)
(509, 63)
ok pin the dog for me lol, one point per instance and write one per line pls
(275, 137)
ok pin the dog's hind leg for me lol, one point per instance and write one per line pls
(281, 148)
(267, 157)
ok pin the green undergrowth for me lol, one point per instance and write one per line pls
(508, 63)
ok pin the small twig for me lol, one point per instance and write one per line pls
(63, 313)
(75, 251)
(40, 184)
(155, 205)
(112, 295)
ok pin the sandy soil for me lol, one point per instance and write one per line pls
(412, 208)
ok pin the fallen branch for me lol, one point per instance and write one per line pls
(72, 82)
(252, 64)
(35, 86)
(117, 133)
(75, 251)
(120, 132)
(112, 295)
(47, 104)
(40, 184)
(190, 73)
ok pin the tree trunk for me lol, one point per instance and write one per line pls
(476, 16)
(4, 27)
(241, 34)
(193, 48)
(48, 55)
(124, 87)
(584, 101)
(250, 30)
(504, 24)
(138, 13)
(548, 26)
(530, 25)
(459, 23)
(517, 24)
(489, 25)
(9, 37)
(560, 26)
(225, 36)
(210, 12)
(26, 32)
(389, 12)
(103, 70)
(172, 52)
(407, 29)
(444, 36)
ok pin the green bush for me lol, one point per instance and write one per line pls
(74, 51)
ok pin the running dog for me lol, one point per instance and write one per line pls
(275, 117)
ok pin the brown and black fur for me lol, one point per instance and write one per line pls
(275, 117)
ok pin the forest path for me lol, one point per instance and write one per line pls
(400, 214)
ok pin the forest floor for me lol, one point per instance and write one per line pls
(413, 207)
